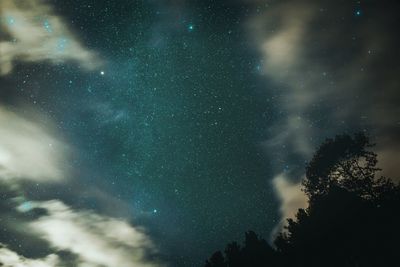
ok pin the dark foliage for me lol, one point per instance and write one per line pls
(255, 252)
(346, 162)
(352, 220)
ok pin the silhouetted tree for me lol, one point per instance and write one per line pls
(234, 257)
(256, 252)
(352, 220)
(344, 161)
(216, 260)
(350, 209)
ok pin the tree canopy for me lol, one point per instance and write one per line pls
(352, 219)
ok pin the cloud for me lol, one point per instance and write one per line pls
(280, 35)
(324, 64)
(97, 240)
(327, 72)
(291, 197)
(388, 156)
(48, 232)
(71, 237)
(29, 151)
(9, 258)
(30, 31)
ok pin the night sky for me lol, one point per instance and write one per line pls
(152, 133)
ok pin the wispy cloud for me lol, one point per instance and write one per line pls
(9, 258)
(291, 196)
(90, 239)
(31, 152)
(33, 32)
(323, 60)
(96, 240)
(28, 150)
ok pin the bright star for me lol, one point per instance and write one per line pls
(102, 72)
(154, 211)
(191, 27)
(358, 13)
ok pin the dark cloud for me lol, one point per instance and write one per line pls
(335, 69)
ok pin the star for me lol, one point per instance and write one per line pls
(358, 13)
(191, 27)
(102, 73)
(154, 211)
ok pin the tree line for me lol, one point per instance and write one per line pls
(352, 219)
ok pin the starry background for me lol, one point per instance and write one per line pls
(189, 118)
(175, 121)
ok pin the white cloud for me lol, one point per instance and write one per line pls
(280, 38)
(35, 33)
(9, 258)
(92, 240)
(28, 150)
(291, 198)
(97, 240)
(282, 49)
